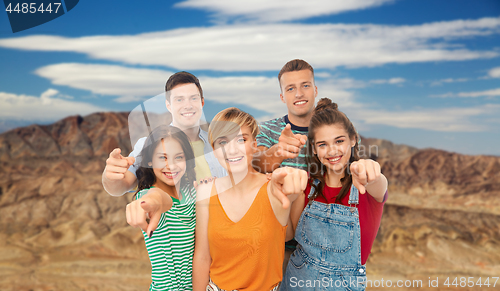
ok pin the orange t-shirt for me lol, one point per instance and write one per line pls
(248, 254)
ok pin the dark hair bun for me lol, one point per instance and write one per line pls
(326, 103)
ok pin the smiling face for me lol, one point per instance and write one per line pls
(298, 92)
(333, 147)
(235, 151)
(168, 163)
(185, 105)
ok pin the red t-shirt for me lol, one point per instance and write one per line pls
(370, 214)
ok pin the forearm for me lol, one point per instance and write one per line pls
(201, 272)
(290, 233)
(377, 188)
(267, 160)
(118, 187)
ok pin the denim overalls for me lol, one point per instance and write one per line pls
(328, 254)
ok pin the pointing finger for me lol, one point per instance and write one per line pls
(130, 160)
(116, 153)
(287, 131)
(302, 138)
(153, 223)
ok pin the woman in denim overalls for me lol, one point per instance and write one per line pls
(328, 254)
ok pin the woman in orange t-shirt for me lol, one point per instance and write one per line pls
(242, 218)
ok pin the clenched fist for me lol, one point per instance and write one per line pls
(288, 181)
(117, 165)
(151, 206)
(364, 172)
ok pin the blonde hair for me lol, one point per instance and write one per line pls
(229, 121)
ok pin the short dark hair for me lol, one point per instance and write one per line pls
(180, 78)
(295, 65)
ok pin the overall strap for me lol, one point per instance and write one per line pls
(312, 190)
(354, 196)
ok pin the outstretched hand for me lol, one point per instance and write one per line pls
(364, 172)
(288, 181)
(289, 144)
(117, 165)
(151, 206)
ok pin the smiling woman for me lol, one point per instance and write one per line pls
(241, 219)
(166, 195)
(335, 227)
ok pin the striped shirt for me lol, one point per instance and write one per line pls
(269, 135)
(171, 247)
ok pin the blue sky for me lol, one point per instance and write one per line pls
(416, 72)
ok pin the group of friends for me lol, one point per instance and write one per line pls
(217, 207)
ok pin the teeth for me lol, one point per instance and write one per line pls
(235, 159)
(335, 159)
(300, 102)
(171, 175)
(187, 114)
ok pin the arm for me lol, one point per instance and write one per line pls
(202, 258)
(267, 159)
(116, 179)
(378, 188)
(295, 212)
(367, 177)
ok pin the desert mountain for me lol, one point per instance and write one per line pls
(59, 229)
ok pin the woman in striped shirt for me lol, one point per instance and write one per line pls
(166, 196)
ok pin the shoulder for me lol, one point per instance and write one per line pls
(190, 190)
(272, 128)
(274, 122)
(204, 192)
(141, 193)
(140, 143)
(203, 134)
(138, 147)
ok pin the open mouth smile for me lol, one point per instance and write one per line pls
(188, 114)
(234, 160)
(334, 160)
(171, 175)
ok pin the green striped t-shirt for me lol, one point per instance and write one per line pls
(269, 135)
(171, 247)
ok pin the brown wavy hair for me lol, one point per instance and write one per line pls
(146, 177)
(327, 113)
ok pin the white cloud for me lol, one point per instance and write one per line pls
(129, 83)
(262, 93)
(476, 94)
(486, 93)
(392, 81)
(445, 95)
(448, 80)
(132, 85)
(260, 47)
(494, 73)
(276, 10)
(444, 119)
(47, 107)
